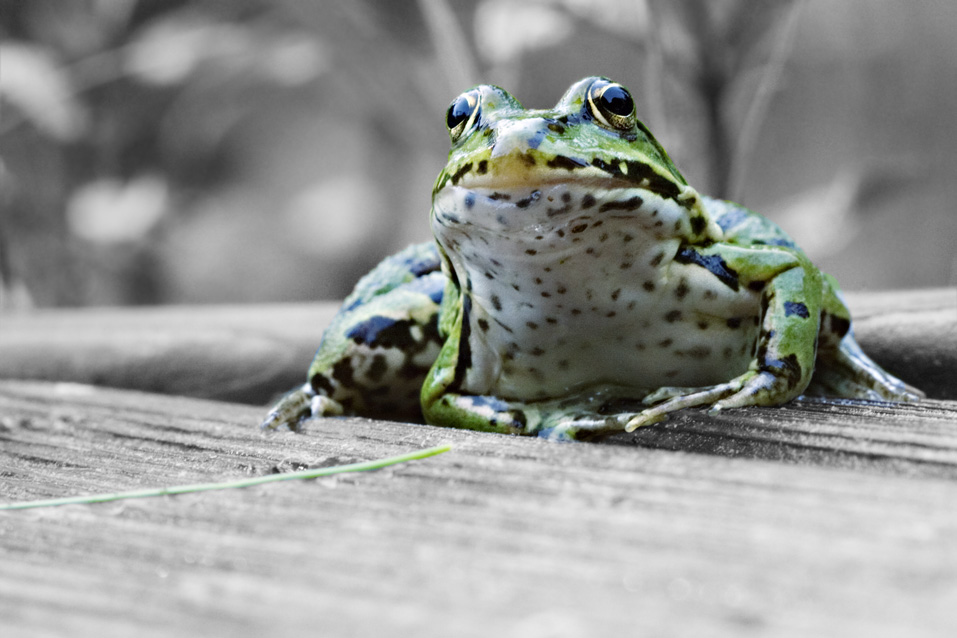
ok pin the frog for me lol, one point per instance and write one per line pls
(577, 286)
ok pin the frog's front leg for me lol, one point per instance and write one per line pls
(786, 347)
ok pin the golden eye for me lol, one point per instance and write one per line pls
(612, 105)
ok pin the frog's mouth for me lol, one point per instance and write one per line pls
(558, 207)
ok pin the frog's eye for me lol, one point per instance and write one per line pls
(611, 104)
(462, 113)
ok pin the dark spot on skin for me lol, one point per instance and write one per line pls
(482, 167)
(500, 196)
(625, 265)
(636, 173)
(588, 200)
(682, 290)
(526, 202)
(648, 285)
(561, 290)
(551, 320)
(489, 275)
(611, 314)
(322, 385)
(563, 364)
(677, 224)
(728, 352)
(698, 224)
(576, 311)
(570, 163)
(627, 238)
(566, 197)
(714, 264)
(603, 237)
(628, 204)
(787, 368)
(531, 251)
(756, 286)
(555, 127)
(496, 302)
(483, 324)
(657, 259)
(343, 373)
(528, 159)
(536, 352)
(515, 286)
(699, 352)
(734, 322)
(368, 331)
(546, 293)
(673, 316)
(671, 374)
(702, 325)
(665, 343)
(840, 326)
(795, 308)
(465, 168)
(614, 295)
(579, 228)
(377, 368)
(532, 325)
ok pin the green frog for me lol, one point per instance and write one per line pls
(578, 286)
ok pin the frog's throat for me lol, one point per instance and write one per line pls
(561, 212)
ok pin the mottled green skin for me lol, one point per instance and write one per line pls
(577, 287)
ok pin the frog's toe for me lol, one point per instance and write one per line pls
(696, 398)
(297, 406)
(667, 393)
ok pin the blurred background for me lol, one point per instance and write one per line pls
(168, 152)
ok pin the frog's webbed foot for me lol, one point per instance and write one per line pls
(849, 373)
(297, 406)
(750, 388)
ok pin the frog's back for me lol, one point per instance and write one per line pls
(744, 227)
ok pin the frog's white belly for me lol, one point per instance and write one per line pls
(554, 312)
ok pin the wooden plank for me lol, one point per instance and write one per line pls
(251, 353)
(230, 353)
(682, 529)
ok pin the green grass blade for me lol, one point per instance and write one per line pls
(364, 466)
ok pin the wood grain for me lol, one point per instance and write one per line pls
(822, 518)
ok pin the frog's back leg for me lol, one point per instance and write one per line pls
(842, 369)
(374, 356)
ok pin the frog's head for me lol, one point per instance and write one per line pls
(592, 136)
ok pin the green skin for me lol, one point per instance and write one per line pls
(577, 286)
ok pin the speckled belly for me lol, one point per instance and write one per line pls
(598, 304)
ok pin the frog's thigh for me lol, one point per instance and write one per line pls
(842, 369)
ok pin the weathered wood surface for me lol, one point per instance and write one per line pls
(248, 353)
(818, 518)
(849, 531)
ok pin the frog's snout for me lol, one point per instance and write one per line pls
(518, 136)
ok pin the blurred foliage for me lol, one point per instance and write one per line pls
(157, 151)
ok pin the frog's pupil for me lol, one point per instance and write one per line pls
(459, 111)
(616, 100)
